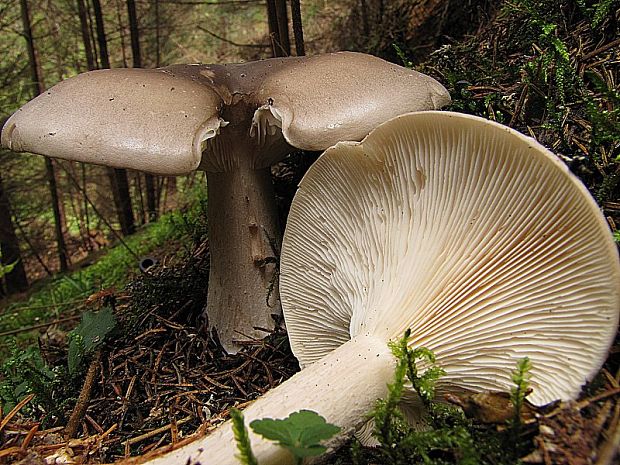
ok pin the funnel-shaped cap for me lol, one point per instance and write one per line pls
(474, 236)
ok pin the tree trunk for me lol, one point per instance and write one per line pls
(16, 280)
(86, 39)
(134, 33)
(121, 30)
(37, 88)
(118, 177)
(157, 36)
(298, 31)
(282, 15)
(274, 35)
(134, 30)
(92, 34)
(60, 239)
(120, 192)
(104, 56)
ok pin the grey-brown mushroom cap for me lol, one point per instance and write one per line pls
(324, 99)
(474, 236)
(149, 120)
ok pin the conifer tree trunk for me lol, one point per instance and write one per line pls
(274, 34)
(86, 39)
(118, 177)
(37, 88)
(149, 179)
(157, 36)
(298, 31)
(16, 280)
(282, 15)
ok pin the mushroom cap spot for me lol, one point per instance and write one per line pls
(149, 120)
(474, 236)
(323, 99)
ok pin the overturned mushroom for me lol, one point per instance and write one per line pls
(233, 121)
(472, 235)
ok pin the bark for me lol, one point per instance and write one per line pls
(342, 387)
(76, 211)
(282, 16)
(272, 21)
(16, 280)
(118, 177)
(86, 38)
(60, 239)
(121, 30)
(104, 56)
(91, 64)
(85, 208)
(37, 88)
(134, 33)
(243, 232)
(151, 197)
(91, 32)
(298, 31)
(149, 179)
(157, 36)
(120, 194)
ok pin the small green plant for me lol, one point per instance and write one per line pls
(521, 379)
(448, 438)
(597, 12)
(87, 336)
(24, 372)
(300, 433)
(245, 456)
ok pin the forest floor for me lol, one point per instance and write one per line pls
(549, 69)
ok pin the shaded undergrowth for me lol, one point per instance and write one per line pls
(549, 69)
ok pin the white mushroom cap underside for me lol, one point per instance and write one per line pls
(147, 120)
(324, 99)
(473, 235)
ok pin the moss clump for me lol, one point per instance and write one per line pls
(448, 436)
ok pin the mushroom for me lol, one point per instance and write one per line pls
(473, 236)
(233, 121)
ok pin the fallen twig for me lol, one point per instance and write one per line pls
(83, 399)
(14, 411)
(39, 326)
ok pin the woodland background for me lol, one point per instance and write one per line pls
(72, 235)
(54, 213)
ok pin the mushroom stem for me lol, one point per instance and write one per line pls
(342, 387)
(244, 241)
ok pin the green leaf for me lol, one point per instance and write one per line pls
(274, 430)
(94, 327)
(75, 353)
(88, 335)
(300, 433)
(308, 451)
